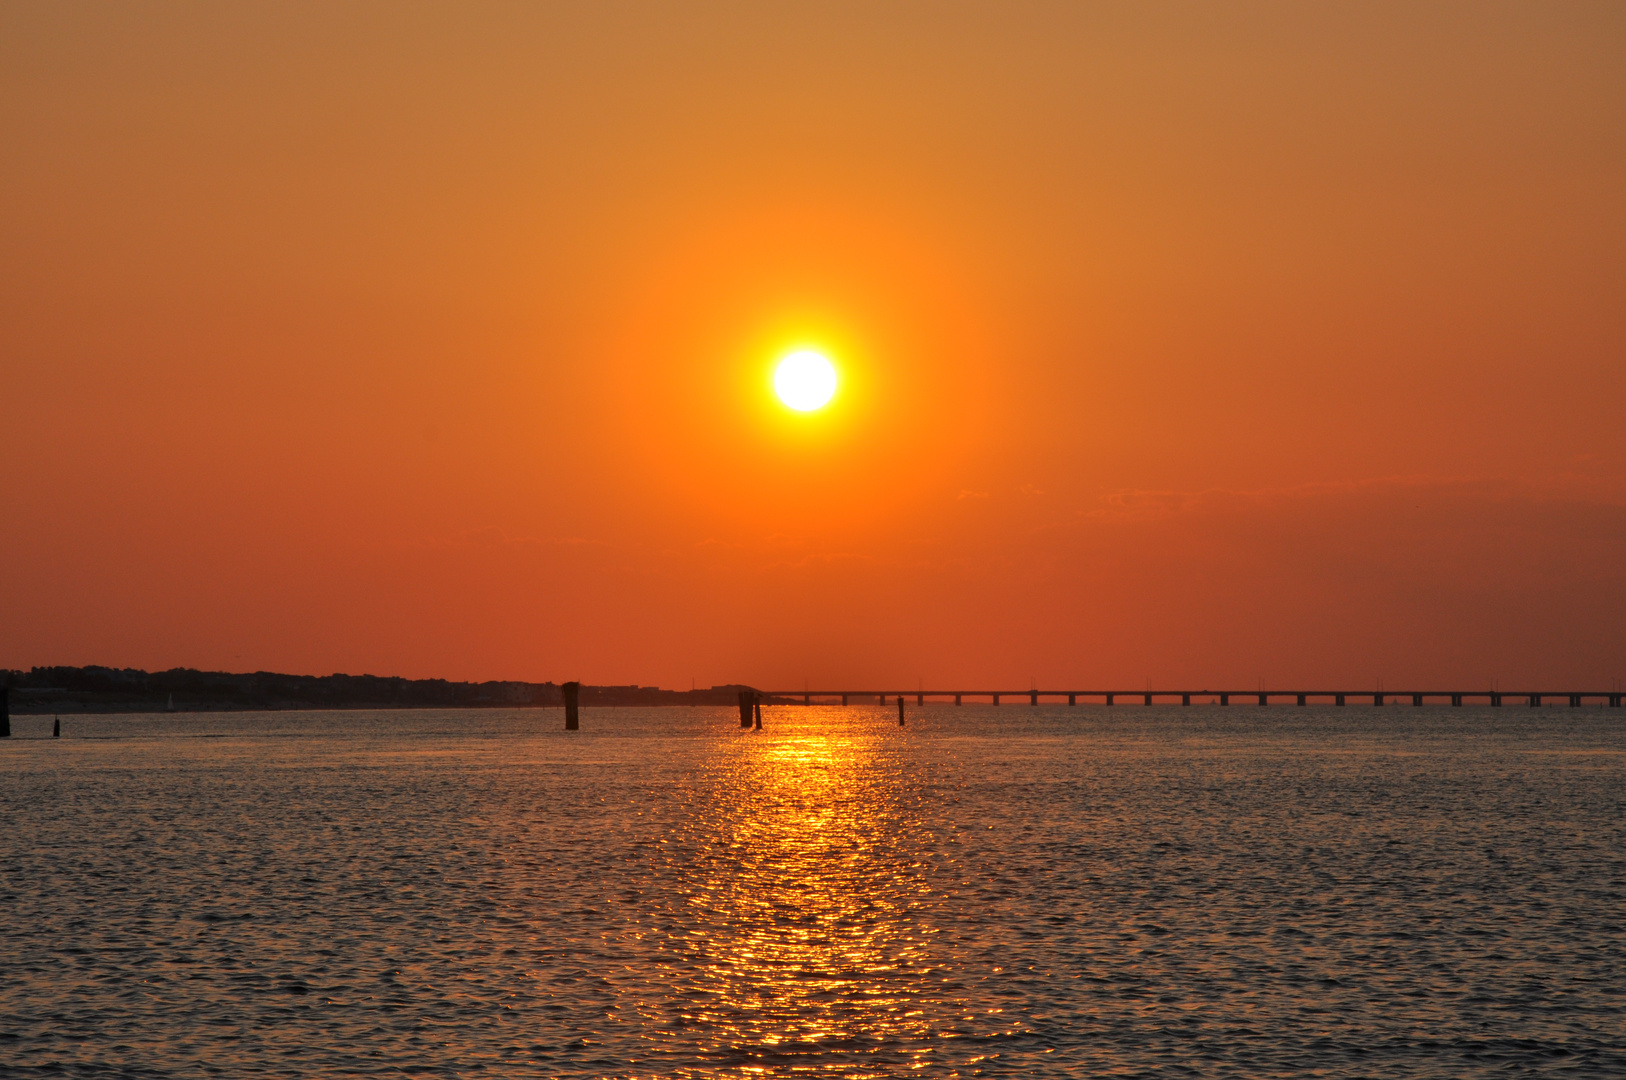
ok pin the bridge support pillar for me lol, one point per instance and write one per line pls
(1535, 700)
(1301, 699)
(1456, 699)
(807, 699)
(1033, 697)
(1614, 701)
(745, 708)
(1338, 699)
(920, 699)
(1575, 701)
(1377, 699)
(1148, 699)
(996, 699)
(756, 703)
(1264, 699)
(1496, 699)
(1185, 699)
(1225, 699)
(956, 699)
(572, 693)
(1109, 698)
(900, 710)
(844, 699)
(1072, 699)
(1417, 699)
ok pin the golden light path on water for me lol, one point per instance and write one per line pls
(806, 904)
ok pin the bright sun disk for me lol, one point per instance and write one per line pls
(804, 380)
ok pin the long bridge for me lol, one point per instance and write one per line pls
(1219, 697)
(752, 700)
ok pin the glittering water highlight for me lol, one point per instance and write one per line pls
(1011, 891)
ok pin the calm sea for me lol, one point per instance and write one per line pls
(986, 892)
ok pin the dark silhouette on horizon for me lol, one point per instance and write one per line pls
(109, 690)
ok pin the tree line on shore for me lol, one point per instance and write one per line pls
(105, 689)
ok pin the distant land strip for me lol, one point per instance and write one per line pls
(113, 690)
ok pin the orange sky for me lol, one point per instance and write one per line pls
(1191, 344)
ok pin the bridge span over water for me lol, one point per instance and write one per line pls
(1214, 697)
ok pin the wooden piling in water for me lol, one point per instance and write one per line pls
(900, 710)
(56, 728)
(756, 703)
(572, 692)
(745, 708)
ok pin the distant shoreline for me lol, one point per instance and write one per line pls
(70, 690)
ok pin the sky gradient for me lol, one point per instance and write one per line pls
(1184, 343)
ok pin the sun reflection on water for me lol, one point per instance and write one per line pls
(804, 887)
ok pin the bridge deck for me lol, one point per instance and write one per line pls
(1223, 697)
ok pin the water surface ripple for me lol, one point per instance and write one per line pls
(986, 892)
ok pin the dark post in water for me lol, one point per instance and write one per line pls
(756, 703)
(745, 708)
(900, 710)
(56, 728)
(572, 692)
(5, 712)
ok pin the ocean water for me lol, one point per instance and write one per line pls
(1016, 891)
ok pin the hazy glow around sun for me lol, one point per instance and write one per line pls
(804, 380)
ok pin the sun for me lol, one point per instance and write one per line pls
(804, 380)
